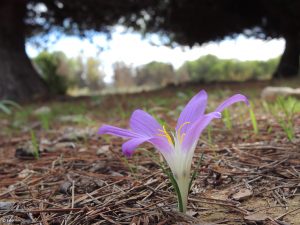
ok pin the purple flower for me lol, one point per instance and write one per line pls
(176, 147)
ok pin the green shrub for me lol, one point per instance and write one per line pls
(48, 64)
(210, 68)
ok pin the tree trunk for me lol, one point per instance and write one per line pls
(288, 66)
(18, 79)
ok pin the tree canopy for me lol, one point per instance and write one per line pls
(185, 22)
(77, 17)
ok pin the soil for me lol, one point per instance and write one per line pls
(79, 177)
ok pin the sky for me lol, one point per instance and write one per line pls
(133, 50)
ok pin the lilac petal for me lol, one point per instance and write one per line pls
(192, 111)
(196, 129)
(116, 131)
(129, 146)
(233, 99)
(144, 124)
(159, 143)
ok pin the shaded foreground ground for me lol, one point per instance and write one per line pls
(81, 178)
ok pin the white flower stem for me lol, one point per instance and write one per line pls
(183, 185)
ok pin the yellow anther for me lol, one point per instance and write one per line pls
(181, 138)
(166, 134)
(179, 130)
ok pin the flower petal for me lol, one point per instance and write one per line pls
(129, 146)
(159, 143)
(233, 99)
(192, 111)
(144, 124)
(196, 129)
(116, 131)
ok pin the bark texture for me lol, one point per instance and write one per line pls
(18, 79)
(288, 66)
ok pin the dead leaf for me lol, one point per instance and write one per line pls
(242, 194)
(62, 145)
(25, 173)
(82, 150)
(96, 167)
(6, 205)
(257, 217)
(103, 150)
(192, 213)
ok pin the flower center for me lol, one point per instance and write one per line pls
(180, 136)
(166, 134)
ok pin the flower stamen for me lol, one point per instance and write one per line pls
(166, 134)
(180, 137)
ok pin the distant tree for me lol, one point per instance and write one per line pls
(123, 75)
(199, 69)
(61, 73)
(210, 68)
(52, 68)
(93, 75)
(155, 74)
(76, 75)
(182, 75)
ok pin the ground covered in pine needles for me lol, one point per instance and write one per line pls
(78, 177)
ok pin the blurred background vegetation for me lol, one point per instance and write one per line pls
(63, 74)
(81, 75)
